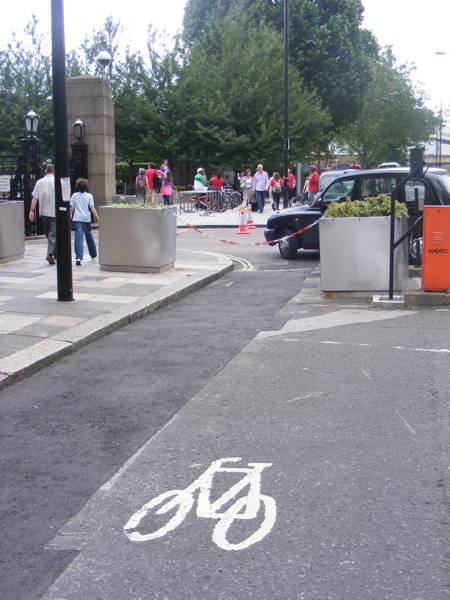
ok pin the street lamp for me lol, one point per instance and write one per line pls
(440, 124)
(286, 103)
(31, 119)
(103, 59)
(79, 158)
(62, 181)
(286, 142)
(78, 130)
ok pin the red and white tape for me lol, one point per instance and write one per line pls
(235, 243)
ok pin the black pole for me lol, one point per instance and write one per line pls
(286, 104)
(392, 248)
(63, 251)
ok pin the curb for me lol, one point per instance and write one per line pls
(30, 360)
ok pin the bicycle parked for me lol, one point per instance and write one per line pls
(232, 198)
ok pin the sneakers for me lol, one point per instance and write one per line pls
(93, 259)
(78, 263)
(50, 259)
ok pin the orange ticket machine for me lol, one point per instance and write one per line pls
(436, 248)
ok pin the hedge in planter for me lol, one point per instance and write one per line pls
(354, 246)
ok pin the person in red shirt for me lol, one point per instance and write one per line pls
(149, 177)
(217, 181)
(313, 182)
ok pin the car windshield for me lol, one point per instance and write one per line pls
(444, 180)
(338, 190)
(325, 179)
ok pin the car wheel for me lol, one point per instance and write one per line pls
(415, 249)
(289, 246)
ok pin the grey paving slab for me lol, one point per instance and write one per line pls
(11, 343)
(40, 329)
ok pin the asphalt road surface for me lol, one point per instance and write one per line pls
(67, 429)
(293, 451)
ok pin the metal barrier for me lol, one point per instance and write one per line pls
(193, 201)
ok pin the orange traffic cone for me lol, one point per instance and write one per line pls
(250, 224)
(242, 220)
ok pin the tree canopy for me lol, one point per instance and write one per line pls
(216, 95)
(392, 117)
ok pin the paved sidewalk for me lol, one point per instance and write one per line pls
(36, 329)
(229, 218)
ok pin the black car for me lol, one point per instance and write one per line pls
(432, 188)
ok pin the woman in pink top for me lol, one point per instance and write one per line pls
(166, 190)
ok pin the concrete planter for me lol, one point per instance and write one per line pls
(354, 254)
(137, 239)
(12, 240)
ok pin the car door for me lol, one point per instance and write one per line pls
(338, 190)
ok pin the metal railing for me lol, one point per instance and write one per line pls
(193, 201)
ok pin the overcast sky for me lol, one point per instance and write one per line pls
(415, 29)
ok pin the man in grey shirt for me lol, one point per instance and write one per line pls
(44, 193)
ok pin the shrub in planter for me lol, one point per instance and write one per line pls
(374, 206)
(354, 245)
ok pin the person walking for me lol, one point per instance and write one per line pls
(245, 182)
(140, 184)
(260, 185)
(44, 193)
(164, 166)
(81, 207)
(291, 185)
(166, 190)
(313, 183)
(151, 174)
(276, 187)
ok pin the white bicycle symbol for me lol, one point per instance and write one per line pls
(246, 507)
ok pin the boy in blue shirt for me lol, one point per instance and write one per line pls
(81, 207)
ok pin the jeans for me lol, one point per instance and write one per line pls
(80, 228)
(49, 226)
(260, 199)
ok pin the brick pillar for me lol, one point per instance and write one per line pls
(90, 99)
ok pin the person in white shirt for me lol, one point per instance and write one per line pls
(260, 184)
(44, 193)
(81, 207)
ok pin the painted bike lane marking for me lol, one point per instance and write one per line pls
(244, 508)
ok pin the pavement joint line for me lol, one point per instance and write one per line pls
(25, 362)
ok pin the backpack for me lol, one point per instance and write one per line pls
(277, 186)
(140, 182)
(157, 182)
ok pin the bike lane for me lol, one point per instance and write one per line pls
(344, 466)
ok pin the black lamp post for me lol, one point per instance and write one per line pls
(31, 119)
(286, 103)
(78, 130)
(30, 166)
(62, 181)
(79, 162)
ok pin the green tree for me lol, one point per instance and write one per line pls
(393, 116)
(25, 81)
(228, 105)
(327, 44)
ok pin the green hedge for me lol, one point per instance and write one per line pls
(375, 206)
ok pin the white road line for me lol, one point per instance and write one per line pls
(405, 422)
(229, 283)
(334, 319)
(438, 350)
(366, 374)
